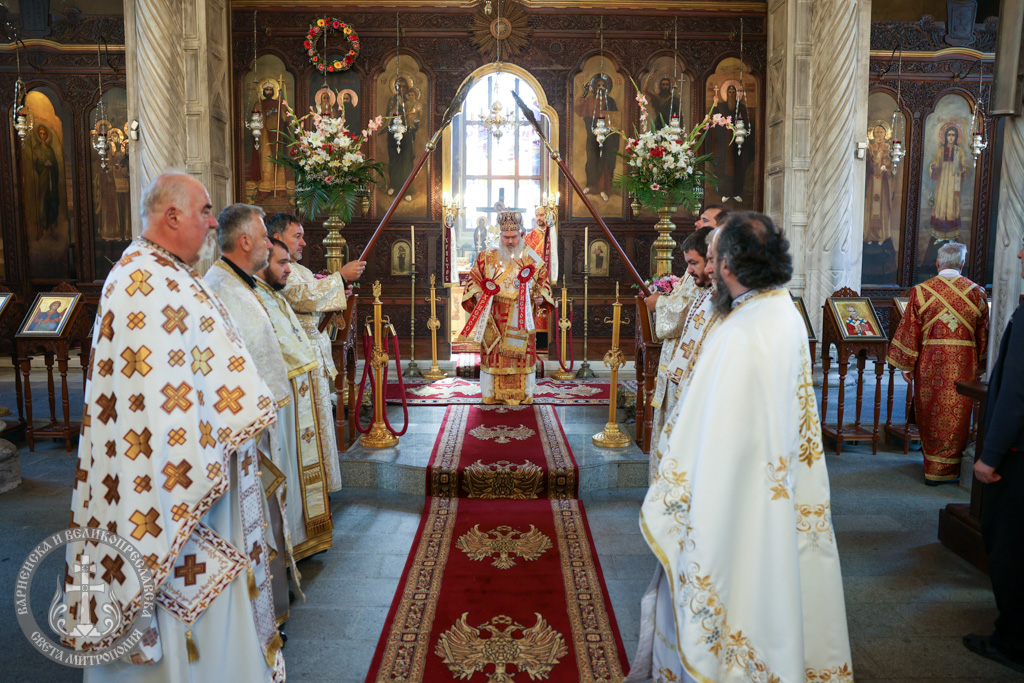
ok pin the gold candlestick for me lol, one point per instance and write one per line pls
(664, 245)
(433, 324)
(564, 324)
(585, 372)
(611, 436)
(379, 436)
(334, 243)
(412, 370)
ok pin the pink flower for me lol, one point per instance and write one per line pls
(655, 186)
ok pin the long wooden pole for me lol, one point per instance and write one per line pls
(586, 202)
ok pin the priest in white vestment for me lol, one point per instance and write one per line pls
(311, 297)
(244, 246)
(670, 313)
(740, 514)
(309, 508)
(174, 404)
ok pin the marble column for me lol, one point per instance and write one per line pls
(840, 50)
(788, 124)
(1006, 273)
(178, 91)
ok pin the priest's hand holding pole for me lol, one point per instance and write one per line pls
(652, 301)
(353, 270)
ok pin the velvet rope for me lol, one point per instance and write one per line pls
(367, 372)
(401, 388)
(558, 345)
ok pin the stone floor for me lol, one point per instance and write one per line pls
(909, 599)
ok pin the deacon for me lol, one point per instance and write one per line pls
(670, 315)
(309, 514)
(698, 322)
(311, 298)
(243, 242)
(174, 403)
(508, 288)
(940, 341)
(740, 516)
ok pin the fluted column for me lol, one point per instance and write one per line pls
(1006, 274)
(840, 35)
(788, 125)
(178, 91)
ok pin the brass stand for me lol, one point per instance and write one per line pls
(412, 370)
(334, 243)
(612, 436)
(585, 372)
(378, 436)
(564, 324)
(433, 324)
(664, 245)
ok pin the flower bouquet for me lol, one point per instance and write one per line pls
(663, 168)
(663, 285)
(327, 160)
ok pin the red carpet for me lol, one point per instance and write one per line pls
(502, 452)
(457, 390)
(501, 589)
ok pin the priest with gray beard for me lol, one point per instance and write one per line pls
(508, 288)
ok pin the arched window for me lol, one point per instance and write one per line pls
(489, 172)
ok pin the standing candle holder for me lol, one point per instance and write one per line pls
(433, 324)
(379, 436)
(564, 324)
(412, 370)
(611, 436)
(585, 372)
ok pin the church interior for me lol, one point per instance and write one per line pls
(871, 133)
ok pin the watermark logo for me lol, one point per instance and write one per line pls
(99, 617)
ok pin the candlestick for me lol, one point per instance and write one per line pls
(585, 372)
(611, 436)
(433, 324)
(412, 370)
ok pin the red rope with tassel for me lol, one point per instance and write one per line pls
(368, 374)
(558, 344)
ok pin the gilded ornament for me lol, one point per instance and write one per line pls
(505, 542)
(536, 652)
(503, 479)
(502, 433)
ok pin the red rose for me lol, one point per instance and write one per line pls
(308, 44)
(657, 152)
(314, 30)
(330, 148)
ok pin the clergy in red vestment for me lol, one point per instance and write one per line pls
(941, 340)
(508, 288)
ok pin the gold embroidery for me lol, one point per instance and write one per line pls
(811, 448)
(731, 649)
(780, 475)
(672, 487)
(535, 653)
(478, 545)
(815, 520)
(836, 674)
(503, 479)
(502, 433)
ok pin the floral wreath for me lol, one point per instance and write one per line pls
(324, 26)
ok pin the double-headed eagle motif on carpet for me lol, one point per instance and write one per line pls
(505, 542)
(536, 652)
(503, 479)
(502, 433)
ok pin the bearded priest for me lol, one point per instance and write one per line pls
(740, 515)
(508, 289)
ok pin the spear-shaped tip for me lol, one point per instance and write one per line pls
(528, 115)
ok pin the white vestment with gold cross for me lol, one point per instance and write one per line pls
(748, 586)
(166, 459)
(311, 298)
(669, 318)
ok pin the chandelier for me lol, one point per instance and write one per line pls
(99, 133)
(896, 151)
(495, 119)
(397, 127)
(673, 127)
(978, 141)
(21, 117)
(600, 128)
(254, 123)
(741, 130)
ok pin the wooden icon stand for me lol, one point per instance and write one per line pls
(11, 313)
(648, 355)
(73, 332)
(907, 432)
(874, 346)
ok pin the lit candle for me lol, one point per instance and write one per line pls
(412, 246)
(586, 243)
